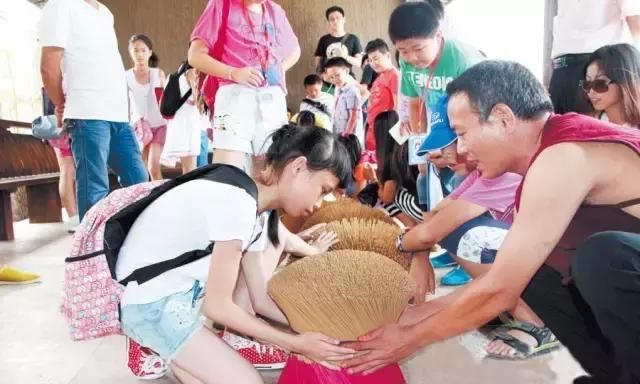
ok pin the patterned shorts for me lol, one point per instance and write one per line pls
(167, 324)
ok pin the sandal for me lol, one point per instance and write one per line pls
(546, 340)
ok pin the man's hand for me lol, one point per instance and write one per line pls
(385, 345)
(422, 273)
(59, 111)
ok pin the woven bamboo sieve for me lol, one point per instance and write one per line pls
(368, 235)
(343, 209)
(343, 294)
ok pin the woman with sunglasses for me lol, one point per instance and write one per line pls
(612, 83)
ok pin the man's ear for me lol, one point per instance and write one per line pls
(504, 116)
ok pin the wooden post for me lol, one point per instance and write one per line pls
(44, 203)
(6, 218)
(550, 10)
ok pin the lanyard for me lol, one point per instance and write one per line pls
(263, 55)
(432, 70)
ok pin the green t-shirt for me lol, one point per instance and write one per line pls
(456, 58)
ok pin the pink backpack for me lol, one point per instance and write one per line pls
(91, 299)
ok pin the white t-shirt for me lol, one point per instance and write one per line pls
(582, 26)
(186, 218)
(144, 104)
(92, 70)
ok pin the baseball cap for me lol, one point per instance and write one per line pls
(441, 134)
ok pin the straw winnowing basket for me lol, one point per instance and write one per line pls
(368, 235)
(343, 209)
(343, 294)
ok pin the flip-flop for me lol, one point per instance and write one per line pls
(546, 340)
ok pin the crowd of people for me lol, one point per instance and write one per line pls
(530, 192)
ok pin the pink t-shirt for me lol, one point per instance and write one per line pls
(244, 45)
(497, 195)
(383, 91)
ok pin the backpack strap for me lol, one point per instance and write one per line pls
(119, 225)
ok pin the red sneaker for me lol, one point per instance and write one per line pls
(144, 363)
(262, 356)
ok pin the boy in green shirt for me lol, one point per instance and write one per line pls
(428, 62)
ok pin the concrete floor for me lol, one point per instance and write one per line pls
(35, 347)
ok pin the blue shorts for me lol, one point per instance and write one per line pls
(165, 325)
(477, 240)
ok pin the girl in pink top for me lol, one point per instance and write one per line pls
(143, 80)
(254, 46)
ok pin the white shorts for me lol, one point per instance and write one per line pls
(244, 118)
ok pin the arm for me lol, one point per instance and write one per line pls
(388, 192)
(415, 120)
(355, 60)
(351, 124)
(219, 306)
(292, 59)
(199, 58)
(531, 239)
(51, 71)
(257, 277)
(163, 78)
(425, 235)
(634, 27)
(316, 64)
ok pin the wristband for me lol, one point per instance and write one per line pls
(399, 246)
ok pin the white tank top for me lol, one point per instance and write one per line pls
(144, 104)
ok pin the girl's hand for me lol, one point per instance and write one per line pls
(249, 76)
(307, 234)
(324, 241)
(321, 348)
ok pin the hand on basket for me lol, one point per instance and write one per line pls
(322, 349)
(325, 241)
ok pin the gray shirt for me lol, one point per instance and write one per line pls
(348, 99)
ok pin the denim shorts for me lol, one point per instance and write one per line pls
(165, 325)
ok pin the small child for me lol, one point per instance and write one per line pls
(347, 116)
(318, 102)
(384, 89)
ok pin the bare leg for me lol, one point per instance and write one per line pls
(207, 359)
(521, 312)
(67, 183)
(188, 163)
(155, 151)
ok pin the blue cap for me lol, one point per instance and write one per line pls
(441, 135)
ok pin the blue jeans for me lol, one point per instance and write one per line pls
(203, 157)
(98, 145)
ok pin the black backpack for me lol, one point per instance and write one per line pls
(172, 98)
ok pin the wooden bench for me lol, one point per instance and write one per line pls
(27, 162)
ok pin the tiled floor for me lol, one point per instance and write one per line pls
(35, 347)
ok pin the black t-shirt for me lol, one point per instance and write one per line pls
(328, 46)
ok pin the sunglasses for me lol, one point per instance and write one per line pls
(598, 86)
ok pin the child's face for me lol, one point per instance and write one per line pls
(420, 52)
(379, 61)
(337, 75)
(336, 22)
(303, 188)
(313, 91)
(139, 52)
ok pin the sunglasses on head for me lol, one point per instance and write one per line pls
(598, 86)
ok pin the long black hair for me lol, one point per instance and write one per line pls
(621, 63)
(320, 147)
(385, 144)
(153, 59)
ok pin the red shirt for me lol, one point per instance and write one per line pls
(383, 91)
(589, 219)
